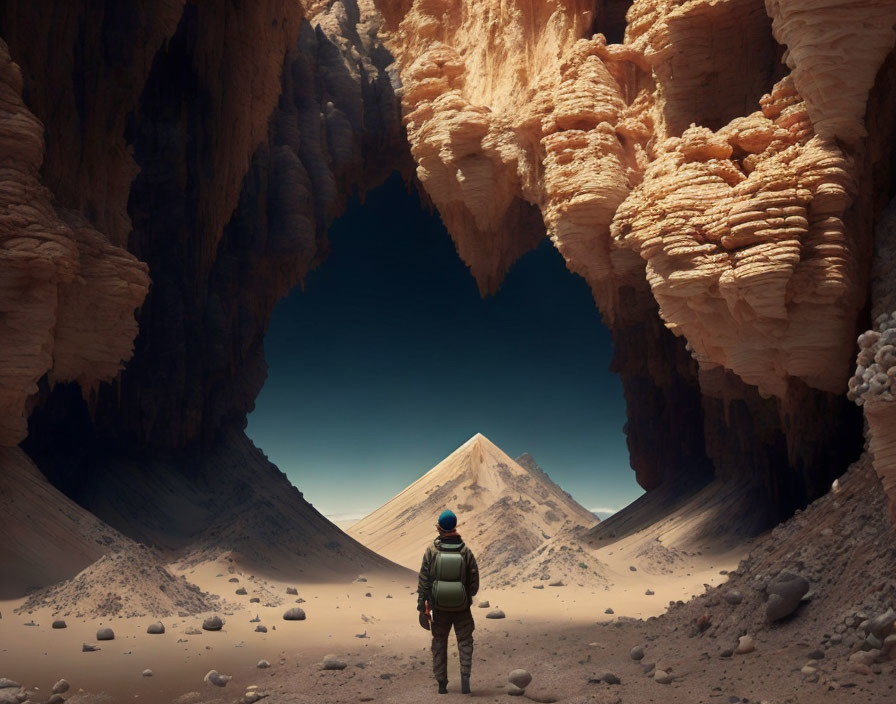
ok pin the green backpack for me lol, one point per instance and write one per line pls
(449, 576)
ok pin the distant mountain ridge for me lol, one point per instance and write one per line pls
(506, 508)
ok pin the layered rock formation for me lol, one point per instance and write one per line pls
(216, 144)
(714, 169)
(67, 294)
(686, 166)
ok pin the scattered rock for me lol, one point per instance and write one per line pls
(520, 678)
(147, 672)
(263, 665)
(241, 591)
(59, 624)
(196, 631)
(609, 611)
(292, 590)
(255, 600)
(633, 568)
(817, 654)
(745, 645)
(105, 634)
(637, 653)
(88, 648)
(785, 592)
(6, 683)
(156, 628)
(331, 662)
(294, 614)
(662, 677)
(367, 594)
(216, 678)
(558, 583)
(649, 592)
(233, 579)
(538, 586)
(484, 604)
(726, 652)
(734, 597)
(261, 629)
(213, 623)
(497, 613)
(610, 678)
(56, 699)
(515, 691)
(61, 687)
(883, 625)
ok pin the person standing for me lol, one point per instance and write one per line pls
(446, 585)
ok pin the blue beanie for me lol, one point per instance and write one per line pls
(447, 520)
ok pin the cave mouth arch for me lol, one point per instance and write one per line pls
(387, 358)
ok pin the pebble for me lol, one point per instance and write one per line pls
(59, 624)
(294, 614)
(610, 678)
(241, 591)
(331, 662)
(88, 648)
(609, 611)
(538, 586)
(817, 654)
(662, 677)
(497, 613)
(484, 604)
(649, 592)
(147, 672)
(61, 687)
(633, 568)
(745, 645)
(216, 678)
(263, 665)
(105, 634)
(808, 670)
(515, 691)
(734, 597)
(56, 699)
(261, 629)
(292, 590)
(726, 652)
(255, 600)
(558, 583)
(637, 653)
(233, 579)
(213, 623)
(520, 678)
(156, 628)
(785, 593)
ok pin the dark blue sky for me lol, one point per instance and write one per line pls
(389, 360)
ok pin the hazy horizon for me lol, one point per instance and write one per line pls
(389, 360)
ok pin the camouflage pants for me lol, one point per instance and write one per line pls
(441, 628)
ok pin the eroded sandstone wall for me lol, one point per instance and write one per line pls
(686, 158)
(716, 159)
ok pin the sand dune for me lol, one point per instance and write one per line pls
(505, 510)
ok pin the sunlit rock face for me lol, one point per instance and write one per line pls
(67, 294)
(713, 156)
(715, 171)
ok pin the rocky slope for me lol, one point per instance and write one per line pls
(505, 510)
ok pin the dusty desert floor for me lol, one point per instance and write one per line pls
(561, 634)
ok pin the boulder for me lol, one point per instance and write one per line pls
(216, 678)
(520, 678)
(213, 623)
(294, 614)
(785, 592)
(105, 634)
(497, 613)
(156, 629)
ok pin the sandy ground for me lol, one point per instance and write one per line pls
(393, 643)
(842, 544)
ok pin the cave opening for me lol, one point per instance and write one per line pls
(387, 359)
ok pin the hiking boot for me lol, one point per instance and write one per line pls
(464, 684)
(443, 686)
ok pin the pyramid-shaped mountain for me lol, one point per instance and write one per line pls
(505, 509)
